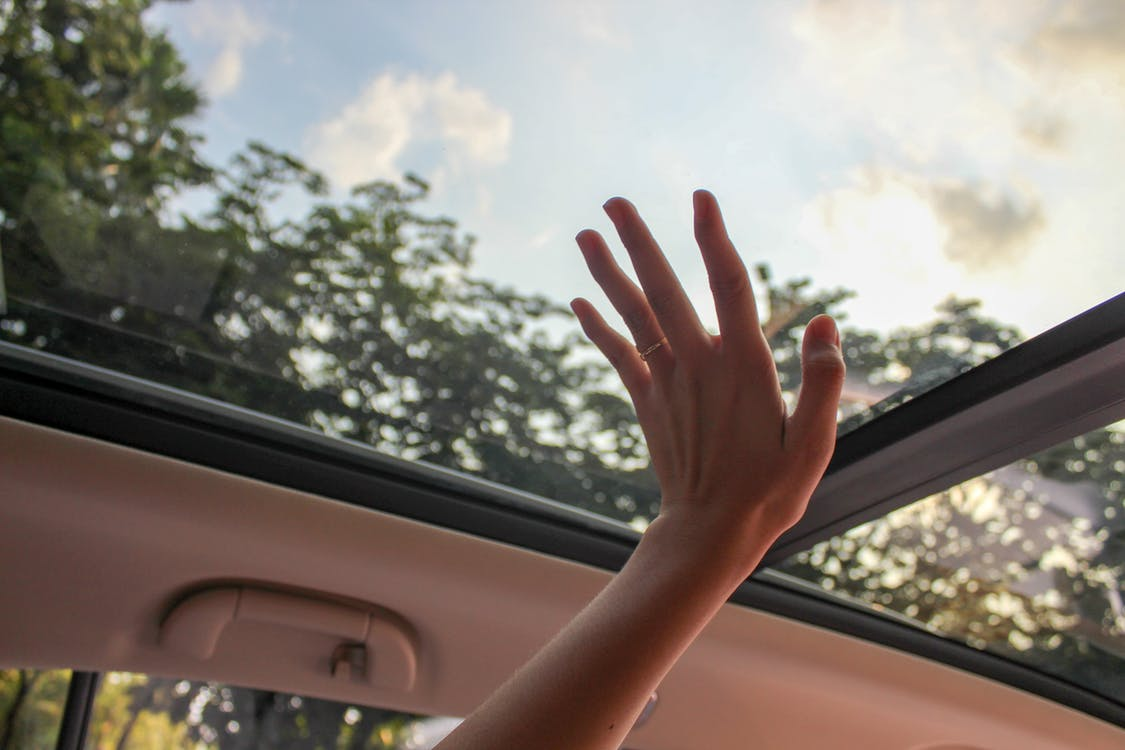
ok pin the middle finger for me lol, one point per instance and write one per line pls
(665, 296)
(625, 296)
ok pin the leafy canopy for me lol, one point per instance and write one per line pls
(363, 318)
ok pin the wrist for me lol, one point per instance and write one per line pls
(712, 554)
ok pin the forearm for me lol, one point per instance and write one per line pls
(584, 690)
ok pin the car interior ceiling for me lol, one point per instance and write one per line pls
(121, 512)
(302, 447)
(102, 543)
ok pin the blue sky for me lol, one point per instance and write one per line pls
(908, 151)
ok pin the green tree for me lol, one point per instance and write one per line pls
(137, 712)
(31, 706)
(363, 318)
(92, 142)
(1026, 562)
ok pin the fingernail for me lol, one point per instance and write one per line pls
(612, 208)
(823, 330)
(700, 203)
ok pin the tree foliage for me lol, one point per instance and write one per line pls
(136, 712)
(362, 318)
(1026, 561)
(31, 706)
(93, 140)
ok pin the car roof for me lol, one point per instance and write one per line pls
(105, 541)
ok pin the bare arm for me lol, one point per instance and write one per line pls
(735, 472)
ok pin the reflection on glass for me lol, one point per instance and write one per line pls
(135, 712)
(1027, 562)
(31, 706)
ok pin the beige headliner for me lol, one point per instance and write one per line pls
(97, 542)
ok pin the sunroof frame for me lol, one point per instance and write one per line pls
(1056, 386)
(1060, 384)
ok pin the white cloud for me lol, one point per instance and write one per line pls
(229, 26)
(904, 242)
(395, 116)
(1019, 80)
(998, 142)
(878, 233)
(986, 227)
(225, 73)
(1045, 131)
(915, 75)
(914, 224)
(1082, 37)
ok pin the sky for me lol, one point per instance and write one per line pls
(906, 151)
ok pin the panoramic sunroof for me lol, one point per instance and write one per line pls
(359, 219)
(1026, 562)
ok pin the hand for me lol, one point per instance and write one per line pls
(735, 470)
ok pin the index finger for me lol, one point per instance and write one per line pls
(662, 288)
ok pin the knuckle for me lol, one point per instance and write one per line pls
(663, 302)
(638, 320)
(827, 366)
(730, 287)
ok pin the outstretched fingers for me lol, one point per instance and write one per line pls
(625, 296)
(812, 427)
(622, 356)
(666, 298)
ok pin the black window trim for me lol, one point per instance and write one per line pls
(78, 710)
(1055, 386)
(1066, 382)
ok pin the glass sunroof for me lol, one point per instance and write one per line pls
(246, 200)
(1027, 562)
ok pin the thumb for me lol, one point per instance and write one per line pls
(812, 427)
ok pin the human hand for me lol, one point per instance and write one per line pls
(735, 470)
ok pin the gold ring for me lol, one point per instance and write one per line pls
(646, 353)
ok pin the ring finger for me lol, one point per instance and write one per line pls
(626, 297)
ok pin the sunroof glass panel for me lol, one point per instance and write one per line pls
(218, 196)
(1027, 562)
